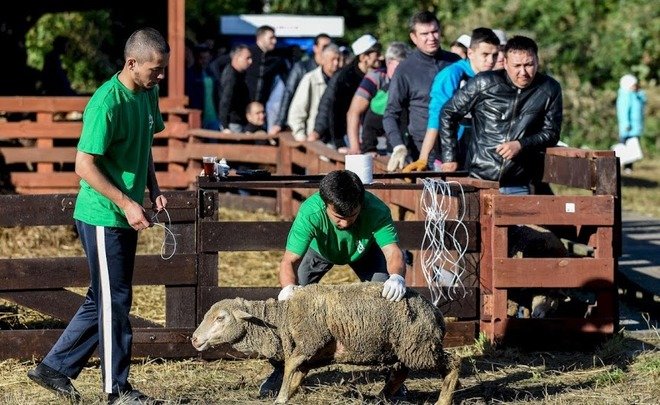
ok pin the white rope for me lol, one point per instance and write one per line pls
(168, 235)
(443, 265)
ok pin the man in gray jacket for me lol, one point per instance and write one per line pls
(516, 114)
(409, 89)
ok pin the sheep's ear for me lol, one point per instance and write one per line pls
(240, 314)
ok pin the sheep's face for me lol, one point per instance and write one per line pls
(221, 324)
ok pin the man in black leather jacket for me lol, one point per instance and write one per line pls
(516, 114)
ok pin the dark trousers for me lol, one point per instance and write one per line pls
(370, 267)
(102, 320)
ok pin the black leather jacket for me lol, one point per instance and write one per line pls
(502, 112)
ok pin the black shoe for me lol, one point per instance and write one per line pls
(401, 394)
(55, 381)
(133, 397)
(271, 385)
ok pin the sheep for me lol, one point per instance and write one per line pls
(341, 324)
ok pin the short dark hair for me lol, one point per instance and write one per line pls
(521, 43)
(422, 17)
(321, 35)
(238, 48)
(483, 35)
(263, 29)
(342, 189)
(143, 43)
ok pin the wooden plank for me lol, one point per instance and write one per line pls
(176, 38)
(245, 153)
(40, 130)
(28, 274)
(230, 137)
(61, 304)
(572, 171)
(553, 273)
(22, 154)
(76, 103)
(23, 210)
(607, 176)
(227, 236)
(70, 181)
(553, 210)
(147, 342)
(577, 152)
(460, 333)
(53, 180)
(57, 209)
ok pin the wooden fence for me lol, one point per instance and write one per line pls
(190, 277)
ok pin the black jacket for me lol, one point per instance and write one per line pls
(501, 112)
(261, 73)
(233, 97)
(330, 120)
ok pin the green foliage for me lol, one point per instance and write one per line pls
(587, 45)
(87, 66)
(647, 364)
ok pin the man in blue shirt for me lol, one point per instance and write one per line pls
(482, 55)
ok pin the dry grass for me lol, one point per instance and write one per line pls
(626, 370)
(627, 375)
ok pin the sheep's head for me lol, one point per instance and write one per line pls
(225, 322)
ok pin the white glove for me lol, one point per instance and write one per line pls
(398, 158)
(286, 292)
(394, 288)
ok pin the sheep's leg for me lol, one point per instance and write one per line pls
(397, 376)
(450, 375)
(293, 376)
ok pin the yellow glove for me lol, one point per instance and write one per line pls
(416, 166)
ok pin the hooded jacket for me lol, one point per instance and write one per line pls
(502, 112)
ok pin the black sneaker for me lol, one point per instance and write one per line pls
(54, 381)
(133, 397)
(271, 385)
(401, 394)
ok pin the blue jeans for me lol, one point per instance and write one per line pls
(515, 190)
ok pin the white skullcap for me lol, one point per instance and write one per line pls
(363, 44)
(464, 40)
(627, 81)
(501, 35)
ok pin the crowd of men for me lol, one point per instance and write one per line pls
(481, 107)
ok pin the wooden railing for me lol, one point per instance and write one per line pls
(190, 277)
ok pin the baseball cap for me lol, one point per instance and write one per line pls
(363, 44)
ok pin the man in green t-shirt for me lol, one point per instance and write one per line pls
(115, 163)
(340, 224)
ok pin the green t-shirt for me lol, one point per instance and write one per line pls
(118, 126)
(313, 228)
